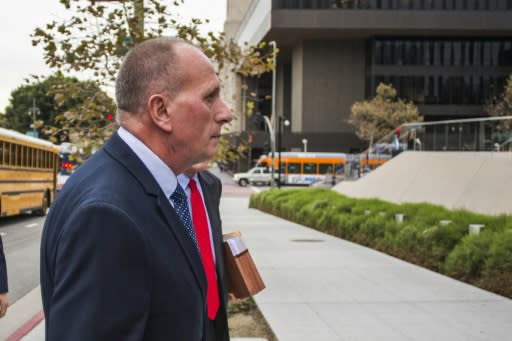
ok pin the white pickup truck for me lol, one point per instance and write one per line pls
(254, 176)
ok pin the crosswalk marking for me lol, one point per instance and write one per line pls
(32, 225)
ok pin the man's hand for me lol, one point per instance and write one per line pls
(4, 303)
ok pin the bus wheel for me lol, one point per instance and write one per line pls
(243, 182)
(44, 208)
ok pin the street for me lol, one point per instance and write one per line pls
(21, 237)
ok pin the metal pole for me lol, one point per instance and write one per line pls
(279, 133)
(272, 148)
(33, 114)
(273, 113)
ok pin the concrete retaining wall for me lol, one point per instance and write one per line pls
(478, 182)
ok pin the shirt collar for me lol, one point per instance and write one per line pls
(163, 175)
(183, 180)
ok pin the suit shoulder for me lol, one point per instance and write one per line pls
(209, 176)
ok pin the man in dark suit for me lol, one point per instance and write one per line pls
(119, 260)
(210, 190)
(4, 302)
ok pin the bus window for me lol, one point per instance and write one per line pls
(7, 153)
(310, 168)
(325, 168)
(293, 168)
(18, 155)
(339, 168)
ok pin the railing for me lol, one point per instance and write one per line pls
(490, 134)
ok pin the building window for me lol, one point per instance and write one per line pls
(441, 71)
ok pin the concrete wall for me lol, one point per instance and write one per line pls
(297, 87)
(235, 12)
(334, 76)
(478, 182)
(256, 23)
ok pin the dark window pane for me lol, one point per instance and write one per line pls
(293, 168)
(310, 168)
(325, 168)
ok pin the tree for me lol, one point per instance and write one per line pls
(375, 118)
(53, 107)
(502, 105)
(99, 34)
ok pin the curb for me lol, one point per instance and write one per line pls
(26, 327)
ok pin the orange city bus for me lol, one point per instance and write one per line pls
(28, 173)
(304, 168)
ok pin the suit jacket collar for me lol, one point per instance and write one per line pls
(122, 153)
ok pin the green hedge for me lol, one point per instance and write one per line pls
(483, 259)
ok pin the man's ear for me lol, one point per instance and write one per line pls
(158, 111)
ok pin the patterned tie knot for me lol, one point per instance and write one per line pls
(178, 196)
(182, 210)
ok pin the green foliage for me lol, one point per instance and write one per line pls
(499, 259)
(373, 119)
(502, 106)
(246, 305)
(421, 238)
(467, 259)
(62, 118)
(98, 34)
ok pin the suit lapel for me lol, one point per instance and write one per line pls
(120, 151)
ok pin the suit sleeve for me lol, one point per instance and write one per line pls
(101, 278)
(3, 270)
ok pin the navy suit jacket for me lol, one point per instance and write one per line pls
(212, 190)
(116, 262)
(3, 270)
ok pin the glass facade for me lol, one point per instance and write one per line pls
(441, 71)
(436, 5)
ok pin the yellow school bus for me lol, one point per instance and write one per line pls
(28, 173)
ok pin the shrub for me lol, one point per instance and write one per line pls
(500, 254)
(484, 259)
(467, 259)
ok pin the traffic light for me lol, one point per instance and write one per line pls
(109, 116)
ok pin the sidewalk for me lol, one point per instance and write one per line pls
(321, 288)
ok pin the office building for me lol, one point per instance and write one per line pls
(447, 56)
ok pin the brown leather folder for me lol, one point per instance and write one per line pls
(243, 276)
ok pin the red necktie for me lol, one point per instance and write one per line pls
(203, 240)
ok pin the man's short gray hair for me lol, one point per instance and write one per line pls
(150, 67)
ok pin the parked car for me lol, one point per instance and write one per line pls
(254, 176)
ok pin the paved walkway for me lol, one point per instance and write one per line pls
(324, 288)
(321, 288)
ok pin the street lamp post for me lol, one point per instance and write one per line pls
(272, 148)
(273, 124)
(34, 111)
(282, 121)
(305, 143)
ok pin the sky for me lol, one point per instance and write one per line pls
(18, 19)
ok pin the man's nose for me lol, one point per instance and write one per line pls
(225, 115)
